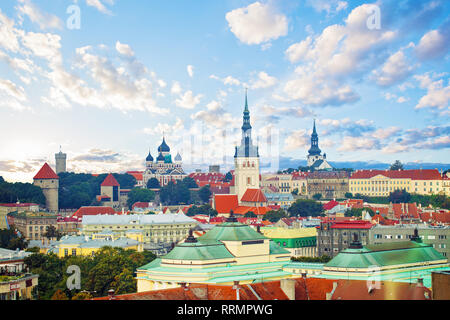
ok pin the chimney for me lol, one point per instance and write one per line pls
(236, 287)
(111, 294)
(420, 282)
(329, 295)
(288, 287)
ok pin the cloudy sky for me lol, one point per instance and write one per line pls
(378, 84)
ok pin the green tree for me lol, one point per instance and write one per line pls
(10, 240)
(295, 192)
(153, 183)
(397, 165)
(228, 177)
(250, 214)
(52, 233)
(23, 192)
(357, 212)
(317, 196)
(139, 195)
(205, 193)
(204, 210)
(399, 196)
(59, 295)
(274, 216)
(83, 295)
(190, 183)
(305, 208)
(348, 195)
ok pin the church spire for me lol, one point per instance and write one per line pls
(246, 119)
(314, 150)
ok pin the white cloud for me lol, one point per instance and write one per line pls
(434, 44)
(328, 59)
(329, 6)
(124, 49)
(36, 15)
(296, 139)
(395, 69)
(11, 89)
(188, 100)
(264, 81)
(176, 88)
(190, 70)
(257, 23)
(438, 94)
(229, 80)
(99, 5)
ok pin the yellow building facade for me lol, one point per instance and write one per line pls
(379, 183)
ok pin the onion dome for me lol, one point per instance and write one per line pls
(178, 157)
(160, 157)
(163, 147)
(149, 157)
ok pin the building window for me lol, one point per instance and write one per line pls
(74, 252)
(66, 252)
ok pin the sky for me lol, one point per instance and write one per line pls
(104, 80)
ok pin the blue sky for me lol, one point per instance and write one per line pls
(135, 69)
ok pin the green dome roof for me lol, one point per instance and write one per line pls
(231, 231)
(199, 251)
(387, 254)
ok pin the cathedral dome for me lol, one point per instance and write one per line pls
(163, 147)
(178, 157)
(149, 157)
(160, 157)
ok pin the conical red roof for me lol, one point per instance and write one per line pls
(46, 172)
(110, 181)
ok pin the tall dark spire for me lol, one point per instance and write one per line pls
(314, 150)
(246, 123)
(246, 149)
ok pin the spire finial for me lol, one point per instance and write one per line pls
(246, 102)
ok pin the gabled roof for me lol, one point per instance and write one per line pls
(330, 205)
(256, 210)
(110, 181)
(254, 195)
(92, 211)
(46, 172)
(224, 203)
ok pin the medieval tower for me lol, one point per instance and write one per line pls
(48, 181)
(60, 160)
(246, 159)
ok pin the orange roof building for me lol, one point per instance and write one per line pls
(46, 172)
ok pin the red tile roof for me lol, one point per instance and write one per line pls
(46, 172)
(387, 290)
(311, 288)
(330, 205)
(18, 205)
(357, 224)
(224, 203)
(405, 210)
(256, 210)
(110, 181)
(426, 174)
(138, 175)
(253, 195)
(93, 211)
